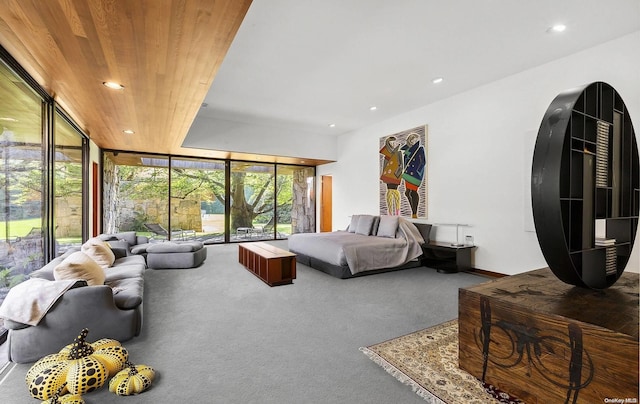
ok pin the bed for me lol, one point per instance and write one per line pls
(371, 244)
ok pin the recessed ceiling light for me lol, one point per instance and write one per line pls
(373, 108)
(437, 80)
(128, 131)
(558, 28)
(332, 125)
(113, 85)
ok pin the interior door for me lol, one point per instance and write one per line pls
(325, 204)
(95, 208)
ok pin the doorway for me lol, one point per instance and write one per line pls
(95, 195)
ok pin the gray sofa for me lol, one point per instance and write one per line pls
(112, 310)
(126, 243)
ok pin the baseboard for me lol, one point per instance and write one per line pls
(5, 369)
(489, 274)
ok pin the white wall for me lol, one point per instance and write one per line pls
(480, 150)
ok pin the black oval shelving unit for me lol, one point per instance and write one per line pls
(585, 181)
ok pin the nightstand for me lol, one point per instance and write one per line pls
(447, 258)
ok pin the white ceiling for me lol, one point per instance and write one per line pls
(303, 64)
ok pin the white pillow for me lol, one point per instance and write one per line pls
(388, 226)
(79, 266)
(99, 251)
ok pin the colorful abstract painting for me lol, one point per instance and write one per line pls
(403, 173)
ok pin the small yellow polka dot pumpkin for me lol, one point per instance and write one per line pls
(133, 379)
(84, 367)
(58, 398)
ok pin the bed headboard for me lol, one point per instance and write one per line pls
(424, 229)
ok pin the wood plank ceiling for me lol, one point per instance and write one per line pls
(165, 52)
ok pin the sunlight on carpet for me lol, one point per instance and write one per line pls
(427, 361)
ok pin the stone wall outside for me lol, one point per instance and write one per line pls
(68, 216)
(126, 215)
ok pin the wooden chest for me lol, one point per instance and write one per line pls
(271, 264)
(545, 341)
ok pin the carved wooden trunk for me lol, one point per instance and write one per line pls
(545, 341)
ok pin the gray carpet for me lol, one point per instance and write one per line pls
(217, 334)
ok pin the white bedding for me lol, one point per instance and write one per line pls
(361, 253)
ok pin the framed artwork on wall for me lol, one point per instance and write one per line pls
(403, 173)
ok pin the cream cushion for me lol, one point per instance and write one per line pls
(99, 251)
(79, 266)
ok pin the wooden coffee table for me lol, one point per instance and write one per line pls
(273, 265)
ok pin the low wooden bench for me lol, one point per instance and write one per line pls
(271, 264)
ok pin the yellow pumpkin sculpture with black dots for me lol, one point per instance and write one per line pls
(133, 379)
(84, 367)
(58, 398)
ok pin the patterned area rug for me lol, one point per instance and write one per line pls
(427, 360)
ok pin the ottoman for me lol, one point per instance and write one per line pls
(175, 255)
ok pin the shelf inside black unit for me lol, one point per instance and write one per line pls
(593, 268)
(607, 103)
(620, 229)
(577, 125)
(589, 147)
(577, 167)
(577, 144)
(590, 129)
(618, 104)
(576, 226)
(591, 100)
(603, 203)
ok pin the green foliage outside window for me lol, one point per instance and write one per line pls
(255, 192)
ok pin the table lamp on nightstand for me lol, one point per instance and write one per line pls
(458, 225)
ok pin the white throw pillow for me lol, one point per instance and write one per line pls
(79, 266)
(99, 251)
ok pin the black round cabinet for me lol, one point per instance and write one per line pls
(585, 186)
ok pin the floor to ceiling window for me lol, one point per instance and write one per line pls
(22, 184)
(136, 194)
(68, 185)
(42, 181)
(21, 181)
(213, 201)
(198, 199)
(252, 200)
(295, 200)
